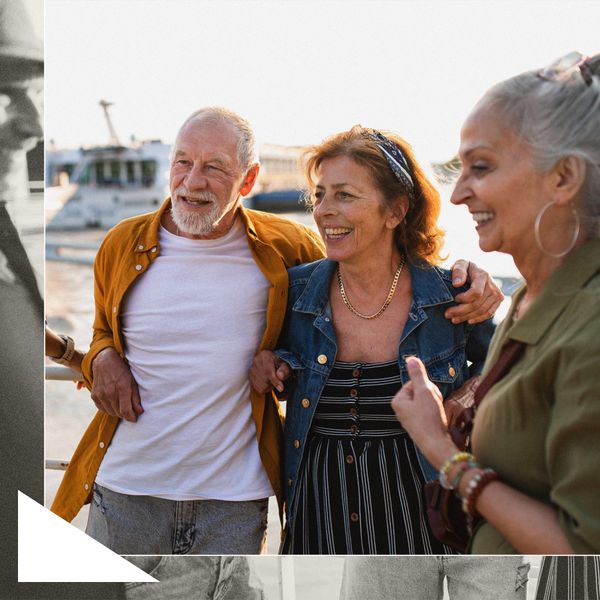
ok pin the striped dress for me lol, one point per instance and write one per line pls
(569, 578)
(360, 488)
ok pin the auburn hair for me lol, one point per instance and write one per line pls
(418, 237)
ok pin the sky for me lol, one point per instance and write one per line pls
(298, 70)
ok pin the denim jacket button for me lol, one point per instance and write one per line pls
(296, 444)
(290, 482)
(305, 402)
(451, 372)
(321, 359)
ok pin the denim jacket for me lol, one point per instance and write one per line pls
(451, 353)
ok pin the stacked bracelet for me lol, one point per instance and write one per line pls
(474, 489)
(459, 457)
(462, 468)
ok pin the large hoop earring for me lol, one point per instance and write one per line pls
(538, 237)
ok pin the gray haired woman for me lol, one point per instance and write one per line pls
(531, 179)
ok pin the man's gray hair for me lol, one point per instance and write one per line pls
(246, 146)
(557, 119)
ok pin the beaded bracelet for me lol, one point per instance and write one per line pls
(462, 469)
(454, 459)
(474, 489)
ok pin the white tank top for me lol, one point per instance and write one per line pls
(191, 326)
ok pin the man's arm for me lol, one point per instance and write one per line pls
(103, 336)
(480, 301)
(114, 390)
(106, 373)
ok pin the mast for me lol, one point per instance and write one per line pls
(114, 138)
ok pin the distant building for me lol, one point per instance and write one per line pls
(279, 168)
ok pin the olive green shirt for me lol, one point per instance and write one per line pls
(539, 426)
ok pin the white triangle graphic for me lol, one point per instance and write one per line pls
(52, 550)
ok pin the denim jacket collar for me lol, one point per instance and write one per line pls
(428, 288)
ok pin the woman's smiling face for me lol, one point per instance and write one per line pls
(499, 183)
(351, 212)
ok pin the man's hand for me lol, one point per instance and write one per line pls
(268, 372)
(114, 390)
(480, 301)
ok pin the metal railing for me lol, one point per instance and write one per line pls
(55, 250)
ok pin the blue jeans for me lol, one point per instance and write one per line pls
(421, 578)
(148, 525)
(193, 577)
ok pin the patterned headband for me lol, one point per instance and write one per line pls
(396, 160)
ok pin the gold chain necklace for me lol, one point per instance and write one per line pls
(387, 300)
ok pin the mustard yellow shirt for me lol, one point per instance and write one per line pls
(126, 253)
(539, 427)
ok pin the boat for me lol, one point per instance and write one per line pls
(110, 183)
(102, 185)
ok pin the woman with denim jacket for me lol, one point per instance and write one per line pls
(353, 478)
(531, 178)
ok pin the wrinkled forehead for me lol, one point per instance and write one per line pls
(208, 135)
(487, 127)
(19, 70)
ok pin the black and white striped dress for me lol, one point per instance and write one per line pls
(569, 578)
(360, 489)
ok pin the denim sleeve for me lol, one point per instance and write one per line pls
(479, 337)
(290, 358)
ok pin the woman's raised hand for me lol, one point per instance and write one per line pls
(419, 407)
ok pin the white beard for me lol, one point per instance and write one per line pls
(194, 222)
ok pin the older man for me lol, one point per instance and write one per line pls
(185, 297)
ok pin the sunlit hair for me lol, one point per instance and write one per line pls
(246, 146)
(556, 119)
(419, 238)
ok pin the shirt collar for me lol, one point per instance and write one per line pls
(148, 237)
(575, 272)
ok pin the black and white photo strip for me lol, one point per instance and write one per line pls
(299, 300)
